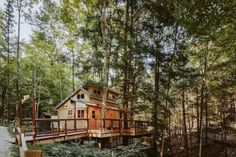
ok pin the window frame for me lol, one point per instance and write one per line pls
(94, 91)
(93, 114)
(69, 111)
(80, 114)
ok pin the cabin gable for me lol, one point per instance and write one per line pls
(86, 102)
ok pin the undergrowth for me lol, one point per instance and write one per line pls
(88, 149)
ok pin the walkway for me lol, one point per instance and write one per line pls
(5, 142)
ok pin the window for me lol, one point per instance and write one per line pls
(69, 112)
(72, 101)
(113, 97)
(80, 113)
(93, 114)
(82, 96)
(78, 96)
(95, 91)
(99, 92)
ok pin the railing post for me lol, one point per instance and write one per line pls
(95, 121)
(75, 116)
(104, 124)
(87, 125)
(120, 126)
(111, 124)
(65, 129)
(58, 122)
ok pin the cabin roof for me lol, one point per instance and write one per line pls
(89, 84)
(86, 102)
(87, 93)
(71, 95)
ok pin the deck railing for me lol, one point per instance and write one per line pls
(65, 127)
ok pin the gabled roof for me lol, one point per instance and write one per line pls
(98, 85)
(87, 93)
(71, 95)
(86, 102)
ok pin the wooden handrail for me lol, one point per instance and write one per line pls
(118, 124)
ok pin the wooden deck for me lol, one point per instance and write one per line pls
(50, 130)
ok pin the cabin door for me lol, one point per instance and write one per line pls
(93, 120)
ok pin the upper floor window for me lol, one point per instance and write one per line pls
(96, 91)
(72, 101)
(80, 96)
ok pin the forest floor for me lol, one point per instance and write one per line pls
(211, 150)
(214, 148)
(5, 142)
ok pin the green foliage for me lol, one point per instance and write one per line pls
(88, 149)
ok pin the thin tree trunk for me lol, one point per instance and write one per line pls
(19, 3)
(8, 61)
(206, 99)
(206, 117)
(126, 83)
(201, 119)
(60, 85)
(106, 53)
(162, 143)
(198, 118)
(73, 69)
(184, 124)
(39, 99)
(155, 106)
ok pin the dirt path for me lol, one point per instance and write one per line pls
(5, 143)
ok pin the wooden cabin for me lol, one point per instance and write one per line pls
(85, 102)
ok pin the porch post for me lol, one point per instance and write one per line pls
(75, 115)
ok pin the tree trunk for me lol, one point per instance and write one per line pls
(126, 83)
(206, 117)
(184, 124)
(155, 107)
(106, 54)
(201, 119)
(162, 143)
(18, 59)
(198, 118)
